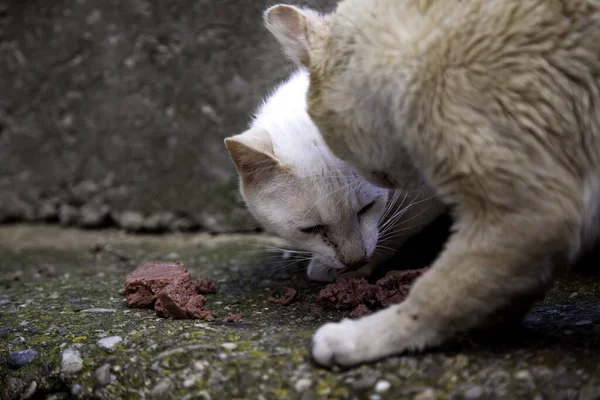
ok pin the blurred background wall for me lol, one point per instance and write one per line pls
(114, 112)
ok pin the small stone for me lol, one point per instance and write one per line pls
(382, 386)
(76, 390)
(68, 215)
(229, 346)
(71, 361)
(30, 390)
(93, 215)
(103, 375)
(473, 393)
(427, 394)
(4, 332)
(158, 222)
(18, 359)
(162, 389)
(188, 383)
(129, 220)
(302, 385)
(525, 379)
(47, 211)
(109, 343)
(98, 310)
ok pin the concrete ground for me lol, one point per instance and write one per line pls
(65, 330)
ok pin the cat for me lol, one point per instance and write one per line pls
(296, 188)
(496, 103)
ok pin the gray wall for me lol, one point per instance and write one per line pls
(115, 111)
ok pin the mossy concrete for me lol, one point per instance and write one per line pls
(62, 289)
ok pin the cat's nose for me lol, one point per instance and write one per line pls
(358, 264)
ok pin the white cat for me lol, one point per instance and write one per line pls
(296, 188)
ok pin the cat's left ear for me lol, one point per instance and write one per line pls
(252, 154)
(296, 29)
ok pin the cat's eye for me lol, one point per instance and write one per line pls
(366, 208)
(313, 230)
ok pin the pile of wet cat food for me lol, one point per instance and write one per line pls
(169, 289)
(363, 297)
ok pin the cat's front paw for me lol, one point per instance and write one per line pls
(337, 344)
(319, 272)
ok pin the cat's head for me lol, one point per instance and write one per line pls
(301, 192)
(355, 125)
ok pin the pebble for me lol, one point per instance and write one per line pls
(76, 390)
(109, 343)
(473, 393)
(382, 386)
(302, 385)
(71, 361)
(229, 346)
(427, 394)
(162, 389)
(98, 310)
(130, 221)
(19, 358)
(103, 375)
(30, 390)
(188, 383)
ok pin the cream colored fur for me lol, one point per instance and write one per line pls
(496, 104)
(290, 180)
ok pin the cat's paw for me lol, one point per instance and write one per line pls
(319, 272)
(391, 331)
(337, 344)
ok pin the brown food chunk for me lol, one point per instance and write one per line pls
(233, 318)
(169, 287)
(348, 293)
(359, 311)
(143, 284)
(288, 297)
(395, 286)
(195, 309)
(172, 300)
(205, 286)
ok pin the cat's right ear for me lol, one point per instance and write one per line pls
(252, 154)
(296, 29)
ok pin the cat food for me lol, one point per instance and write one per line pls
(168, 287)
(233, 318)
(288, 297)
(360, 311)
(205, 285)
(143, 284)
(361, 295)
(348, 293)
(393, 288)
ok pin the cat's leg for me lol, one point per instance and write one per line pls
(485, 268)
(319, 272)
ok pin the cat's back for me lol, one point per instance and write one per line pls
(461, 33)
(519, 66)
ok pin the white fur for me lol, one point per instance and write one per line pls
(310, 186)
(296, 140)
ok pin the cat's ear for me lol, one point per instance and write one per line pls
(252, 154)
(296, 29)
